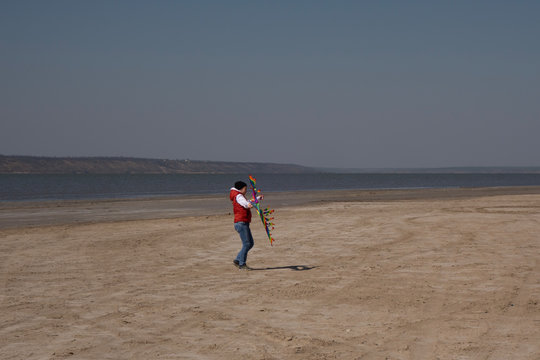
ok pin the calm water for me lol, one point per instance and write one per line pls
(60, 187)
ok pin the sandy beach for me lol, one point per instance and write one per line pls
(403, 274)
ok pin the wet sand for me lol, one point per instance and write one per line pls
(398, 274)
(29, 214)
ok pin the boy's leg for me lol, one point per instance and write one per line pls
(250, 239)
(247, 241)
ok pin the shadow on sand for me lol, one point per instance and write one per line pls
(291, 267)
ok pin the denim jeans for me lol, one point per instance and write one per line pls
(247, 241)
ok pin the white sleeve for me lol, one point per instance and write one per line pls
(242, 201)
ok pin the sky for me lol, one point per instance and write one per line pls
(355, 84)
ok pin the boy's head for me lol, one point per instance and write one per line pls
(239, 185)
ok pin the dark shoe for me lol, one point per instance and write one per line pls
(237, 264)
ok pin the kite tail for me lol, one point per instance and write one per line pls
(265, 213)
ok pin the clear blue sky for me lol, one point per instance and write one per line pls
(317, 83)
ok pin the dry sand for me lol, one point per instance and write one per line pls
(389, 275)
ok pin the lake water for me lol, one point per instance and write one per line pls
(64, 187)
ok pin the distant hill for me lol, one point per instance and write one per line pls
(126, 165)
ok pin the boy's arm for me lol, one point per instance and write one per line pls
(243, 201)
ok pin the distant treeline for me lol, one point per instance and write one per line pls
(126, 165)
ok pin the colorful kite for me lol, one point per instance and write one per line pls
(263, 213)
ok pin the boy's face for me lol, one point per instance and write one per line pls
(243, 190)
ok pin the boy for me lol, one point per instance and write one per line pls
(242, 219)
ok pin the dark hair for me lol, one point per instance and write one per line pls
(239, 185)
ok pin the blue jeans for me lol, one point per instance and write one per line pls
(247, 241)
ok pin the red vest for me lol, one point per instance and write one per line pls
(240, 213)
